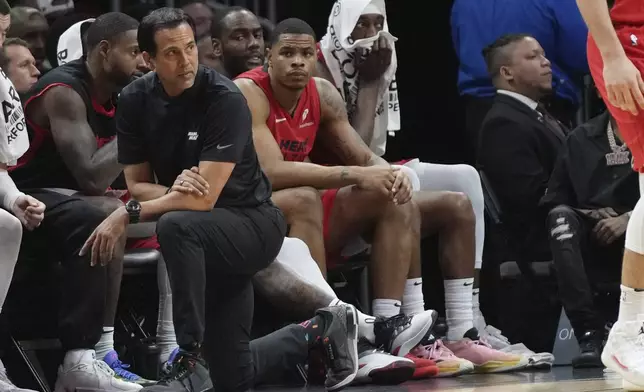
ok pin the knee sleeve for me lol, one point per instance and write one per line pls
(10, 236)
(635, 230)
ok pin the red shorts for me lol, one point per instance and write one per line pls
(328, 200)
(630, 127)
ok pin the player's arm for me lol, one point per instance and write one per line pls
(284, 174)
(597, 17)
(337, 134)
(364, 118)
(94, 169)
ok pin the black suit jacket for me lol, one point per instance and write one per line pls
(517, 152)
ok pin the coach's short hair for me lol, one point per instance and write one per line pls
(163, 18)
(108, 27)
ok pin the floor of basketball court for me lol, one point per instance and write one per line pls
(559, 379)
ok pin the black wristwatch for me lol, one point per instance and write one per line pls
(133, 209)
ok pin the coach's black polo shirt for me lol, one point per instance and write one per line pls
(208, 122)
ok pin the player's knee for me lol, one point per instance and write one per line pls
(304, 202)
(10, 228)
(408, 214)
(461, 206)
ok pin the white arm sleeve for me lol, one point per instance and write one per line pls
(8, 191)
(14, 140)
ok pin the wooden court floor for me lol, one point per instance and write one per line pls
(559, 379)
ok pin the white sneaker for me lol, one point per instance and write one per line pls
(81, 372)
(624, 353)
(6, 385)
(495, 338)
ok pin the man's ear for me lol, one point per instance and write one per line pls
(104, 48)
(269, 57)
(217, 47)
(149, 61)
(506, 73)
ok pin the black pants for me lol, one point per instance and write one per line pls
(211, 258)
(68, 223)
(580, 260)
(278, 353)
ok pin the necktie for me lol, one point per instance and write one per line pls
(551, 122)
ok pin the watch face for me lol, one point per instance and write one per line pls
(133, 206)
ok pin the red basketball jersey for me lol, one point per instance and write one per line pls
(294, 134)
(628, 12)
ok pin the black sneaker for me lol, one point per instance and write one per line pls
(590, 351)
(399, 334)
(188, 373)
(340, 344)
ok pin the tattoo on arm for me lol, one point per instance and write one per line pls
(344, 173)
(338, 134)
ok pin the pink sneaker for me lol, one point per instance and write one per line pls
(449, 365)
(484, 357)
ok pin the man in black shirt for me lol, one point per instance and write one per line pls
(592, 189)
(176, 122)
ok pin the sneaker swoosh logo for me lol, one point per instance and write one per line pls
(468, 284)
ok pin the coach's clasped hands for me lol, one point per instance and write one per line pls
(190, 182)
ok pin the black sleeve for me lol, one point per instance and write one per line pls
(131, 143)
(560, 190)
(509, 157)
(229, 129)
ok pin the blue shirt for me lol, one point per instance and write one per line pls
(556, 24)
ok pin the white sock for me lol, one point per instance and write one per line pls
(106, 343)
(166, 338)
(385, 307)
(479, 320)
(458, 307)
(413, 301)
(365, 323)
(631, 304)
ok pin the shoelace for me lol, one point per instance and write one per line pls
(177, 371)
(438, 350)
(119, 369)
(102, 367)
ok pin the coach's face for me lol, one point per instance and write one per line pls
(176, 60)
(124, 58)
(292, 60)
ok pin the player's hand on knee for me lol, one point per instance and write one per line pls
(402, 189)
(191, 182)
(102, 243)
(378, 179)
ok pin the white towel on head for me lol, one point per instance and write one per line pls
(70, 43)
(340, 52)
